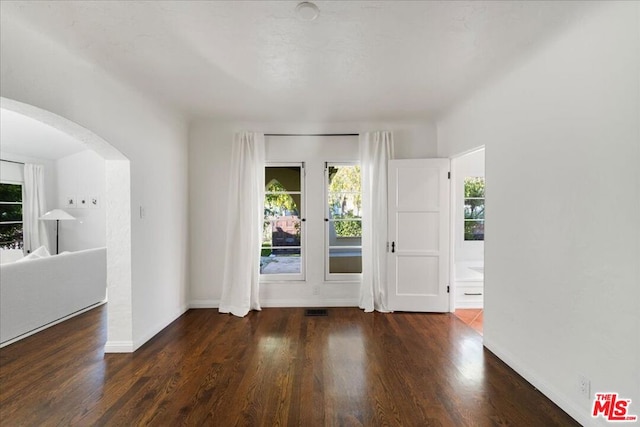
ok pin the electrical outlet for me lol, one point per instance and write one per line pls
(584, 386)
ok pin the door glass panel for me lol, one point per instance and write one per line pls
(344, 221)
(345, 260)
(344, 229)
(281, 250)
(282, 178)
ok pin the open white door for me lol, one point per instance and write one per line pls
(418, 254)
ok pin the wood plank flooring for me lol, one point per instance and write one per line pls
(271, 368)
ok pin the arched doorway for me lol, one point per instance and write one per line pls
(118, 221)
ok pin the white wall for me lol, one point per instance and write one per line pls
(152, 137)
(562, 270)
(469, 165)
(82, 176)
(209, 156)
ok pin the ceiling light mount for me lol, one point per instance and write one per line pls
(307, 11)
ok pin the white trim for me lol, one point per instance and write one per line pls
(137, 343)
(48, 325)
(285, 303)
(452, 222)
(204, 303)
(118, 347)
(311, 302)
(581, 415)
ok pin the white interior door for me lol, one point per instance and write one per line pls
(418, 235)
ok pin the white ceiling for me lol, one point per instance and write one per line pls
(256, 60)
(25, 136)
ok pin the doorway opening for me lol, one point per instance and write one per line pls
(117, 204)
(467, 235)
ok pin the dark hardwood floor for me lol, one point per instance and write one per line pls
(274, 367)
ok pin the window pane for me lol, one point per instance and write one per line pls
(280, 261)
(285, 231)
(281, 234)
(344, 178)
(281, 205)
(10, 212)
(10, 193)
(474, 230)
(267, 234)
(345, 260)
(345, 205)
(344, 229)
(282, 178)
(344, 192)
(11, 236)
(474, 186)
(474, 209)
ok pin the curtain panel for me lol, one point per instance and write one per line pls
(244, 225)
(33, 207)
(376, 149)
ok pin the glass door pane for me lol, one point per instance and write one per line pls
(344, 221)
(282, 249)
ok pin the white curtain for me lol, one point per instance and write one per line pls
(376, 149)
(33, 207)
(244, 225)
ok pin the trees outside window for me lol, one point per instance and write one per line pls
(11, 236)
(474, 199)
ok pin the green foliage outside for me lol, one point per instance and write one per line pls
(345, 199)
(348, 228)
(10, 234)
(10, 193)
(278, 203)
(474, 192)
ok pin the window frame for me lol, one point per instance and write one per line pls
(328, 276)
(20, 244)
(290, 277)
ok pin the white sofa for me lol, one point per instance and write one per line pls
(38, 292)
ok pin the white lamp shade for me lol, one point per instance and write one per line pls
(56, 214)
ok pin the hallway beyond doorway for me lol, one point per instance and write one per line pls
(472, 317)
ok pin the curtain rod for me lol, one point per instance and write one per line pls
(11, 161)
(311, 134)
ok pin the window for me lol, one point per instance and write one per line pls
(474, 208)
(343, 234)
(282, 249)
(11, 216)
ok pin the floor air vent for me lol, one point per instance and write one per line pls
(316, 312)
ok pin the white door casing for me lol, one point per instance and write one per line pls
(418, 256)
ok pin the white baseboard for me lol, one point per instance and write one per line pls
(118, 347)
(312, 302)
(131, 346)
(137, 343)
(48, 325)
(579, 414)
(204, 303)
(298, 302)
